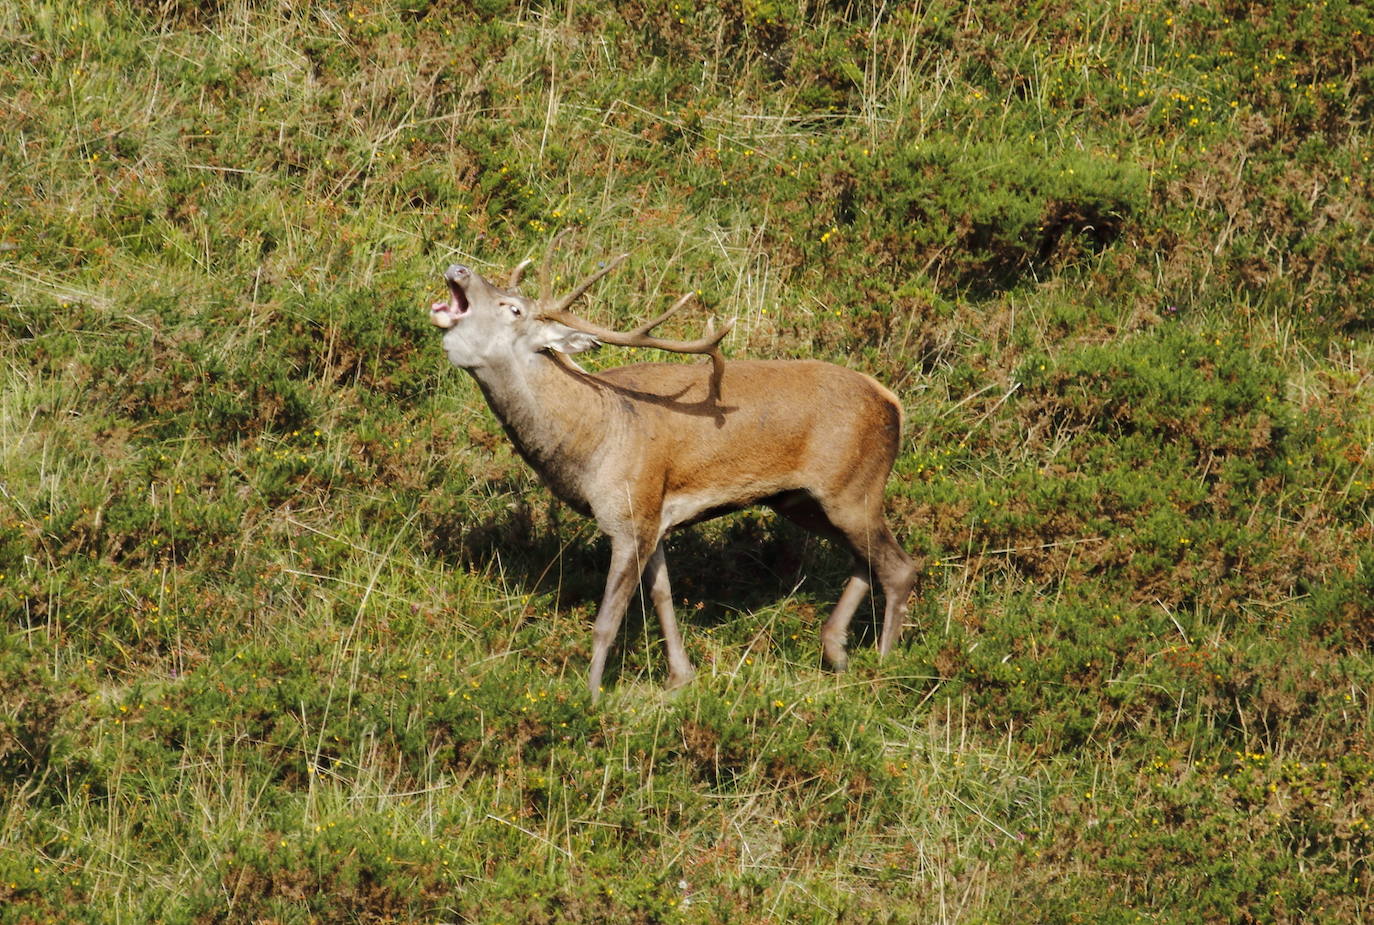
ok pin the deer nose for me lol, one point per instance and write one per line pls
(456, 273)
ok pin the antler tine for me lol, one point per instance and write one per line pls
(582, 287)
(648, 326)
(546, 272)
(717, 362)
(519, 272)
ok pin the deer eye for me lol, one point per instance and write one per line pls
(515, 308)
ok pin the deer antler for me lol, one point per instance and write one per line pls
(638, 337)
(519, 272)
(547, 304)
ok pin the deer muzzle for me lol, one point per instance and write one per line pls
(447, 313)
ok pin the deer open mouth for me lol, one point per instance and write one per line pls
(447, 314)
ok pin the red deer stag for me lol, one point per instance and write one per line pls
(652, 446)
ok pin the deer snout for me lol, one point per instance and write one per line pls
(448, 313)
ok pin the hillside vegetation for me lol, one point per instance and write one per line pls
(290, 634)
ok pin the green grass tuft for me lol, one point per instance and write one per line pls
(289, 633)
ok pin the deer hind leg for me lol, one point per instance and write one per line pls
(806, 510)
(877, 555)
(897, 573)
(680, 669)
(835, 630)
(629, 556)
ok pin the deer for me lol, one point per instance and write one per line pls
(648, 447)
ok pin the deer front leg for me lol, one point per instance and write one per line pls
(627, 564)
(680, 669)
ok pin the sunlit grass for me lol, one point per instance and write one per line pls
(291, 633)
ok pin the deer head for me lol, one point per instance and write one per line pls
(489, 323)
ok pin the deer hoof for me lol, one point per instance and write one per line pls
(679, 679)
(836, 658)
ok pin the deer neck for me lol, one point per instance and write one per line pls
(554, 413)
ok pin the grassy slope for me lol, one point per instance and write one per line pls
(289, 633)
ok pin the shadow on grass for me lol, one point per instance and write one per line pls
(719, 570)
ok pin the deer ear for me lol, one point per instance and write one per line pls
(560, 337)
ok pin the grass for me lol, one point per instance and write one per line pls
(291, 634)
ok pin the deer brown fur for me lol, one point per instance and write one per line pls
(648, 447)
